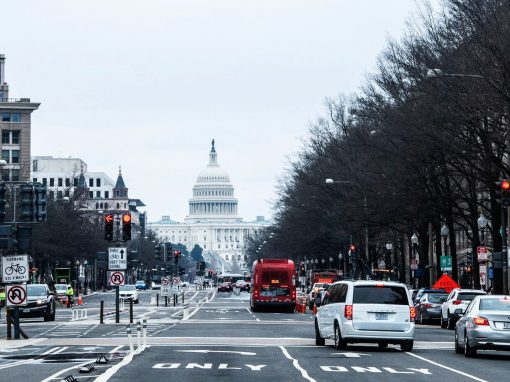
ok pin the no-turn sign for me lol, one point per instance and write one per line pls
(16, 295)
(117, 278)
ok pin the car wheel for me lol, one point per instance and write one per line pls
(47, 315)
(450, 324)
(339, 342)
(458, 349)
(52, 315)
(137, 301)
(421, 318)
(383, 345)
(468, 350)
(407, 346)
(444, 323)
(254, 308)
(319, 341)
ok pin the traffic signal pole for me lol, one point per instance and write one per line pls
(504, 224)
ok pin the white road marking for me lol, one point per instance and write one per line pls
(447, 368)
(16, 363)
(56, 350)
(47, 331)
(89, 330)
(295, 362)
(59, 373)
(205, 351)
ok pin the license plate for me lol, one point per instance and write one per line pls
(26, 310)
(506, 325)
(381, 316)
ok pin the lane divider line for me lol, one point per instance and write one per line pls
(296, 364)
(447, 368)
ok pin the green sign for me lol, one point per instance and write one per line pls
(446, 263)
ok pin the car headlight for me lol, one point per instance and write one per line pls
(41, 302)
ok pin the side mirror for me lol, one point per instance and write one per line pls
(458, 312)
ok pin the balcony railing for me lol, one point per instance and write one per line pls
(12, 100)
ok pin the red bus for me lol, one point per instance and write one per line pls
(273, 284)
(328, 277)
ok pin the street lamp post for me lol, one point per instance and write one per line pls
(331, 181)
(444, 234)
(414, 263)
(482, 266)
(389, 247)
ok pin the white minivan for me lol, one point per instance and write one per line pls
(366, 311)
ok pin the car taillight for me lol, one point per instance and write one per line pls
(480, 321)
(457, 302)
(348, 312)
(412, 313)
(294, 294)
(256, 293)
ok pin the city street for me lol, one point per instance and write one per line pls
(221, 339)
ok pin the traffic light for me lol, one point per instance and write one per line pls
(40, 203)
(27, 203)
(157, 252)
(505, 193)
(177, 255)
(302, 271)
(168, 253)
(108, 227)
(181, 271)
(352, 248)
(3, 190)
(126, 226)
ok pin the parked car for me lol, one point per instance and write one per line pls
(429, 307)
(366, 311)
(225, 286)
(129, 292)
(155, 285)
(457, 299)
(40, 302)
(485, 324)
(140, 284)
(422, 291)
(60, 290)
(317, 288)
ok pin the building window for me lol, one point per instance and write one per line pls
(66, 193)
(60, 182)
(15, 117)
(91, 182)
(98, 194)
(118, 206)
(75, 182)
(6, 117)
(34, 180)
(91, 194)
(34, 165)
(52, 182)
(5, 137)
(106, 206)
(205, 246)
(98, 182)
(107, 194)
(5, 156)
(52, 195)
(15, 156)
(68, 182)
(15, 175)
(15, 137)
(59, 194)
(44, 181)
(219, 246)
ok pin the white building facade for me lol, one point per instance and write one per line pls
(212, 222)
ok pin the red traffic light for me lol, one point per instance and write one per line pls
(353, 247)
(505, 185)
(108, 218)
(126, 218)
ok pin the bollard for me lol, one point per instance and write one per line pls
(185, 313)
(166, 301)
(175, 299)
(183, 297)
(157, 299)
(101, 312)
(130, 310)
(144, 332)
(72, 313)
(128, 330)
(139, 334)
(86, 311)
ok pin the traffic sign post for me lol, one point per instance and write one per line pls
(116, 279)
(16, 295)
(15, 269)
(166, 287)
(117, 258)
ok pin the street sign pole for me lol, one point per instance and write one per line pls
(16, 323)
(117, 305)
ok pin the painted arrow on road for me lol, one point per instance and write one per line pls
(205, 351)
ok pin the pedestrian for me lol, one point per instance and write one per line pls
(69, 295)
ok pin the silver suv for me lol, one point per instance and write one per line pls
(366, 311)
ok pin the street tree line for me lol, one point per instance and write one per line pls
(419, 147)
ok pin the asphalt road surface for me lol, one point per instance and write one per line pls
(216, 337)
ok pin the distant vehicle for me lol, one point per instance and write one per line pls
(40, 302)
(366, 311)
(484, 325)
(273, 284)
(61, 290)
(225, 286)
(129, 292)
(457, 299)
(317, 288)
(324, 277)
(422, 291)
(155, 285)
(429, 307)
(184, 284)
(140, 284)
(243, 286)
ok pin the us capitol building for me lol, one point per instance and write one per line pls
(212, 222)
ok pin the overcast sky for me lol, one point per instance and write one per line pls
(147, 84)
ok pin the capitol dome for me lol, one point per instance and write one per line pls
(213, 194)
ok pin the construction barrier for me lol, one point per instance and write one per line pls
(301, 305)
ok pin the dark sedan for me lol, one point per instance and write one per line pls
(429, 306)
(225, 287)
(40, 302)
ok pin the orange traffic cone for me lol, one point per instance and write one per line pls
(314, 311)
(80, 300)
